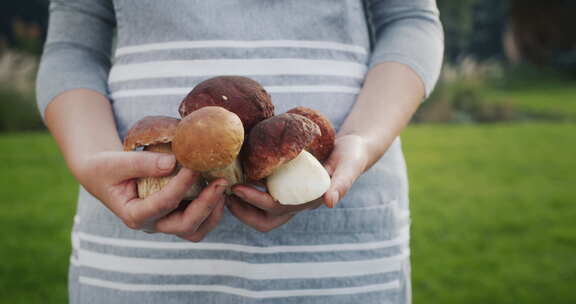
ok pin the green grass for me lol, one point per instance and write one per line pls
(493, 211)
(553, 100)
(37, 199)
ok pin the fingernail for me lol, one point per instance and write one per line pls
(165, 162)
(333, 199)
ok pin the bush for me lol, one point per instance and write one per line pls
(464, 101)
(18, 111)
(472, 92)
(17, 100)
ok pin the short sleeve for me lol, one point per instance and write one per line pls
(77, 50)
(408, 32)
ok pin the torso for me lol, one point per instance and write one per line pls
(305, 55)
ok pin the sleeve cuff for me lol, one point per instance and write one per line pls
(429, 79)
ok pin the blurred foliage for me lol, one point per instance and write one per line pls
(17, 99)
(536, 92)
(23, 24)
(473, 28)
(18, 111)
(483, 92)
(541, 31)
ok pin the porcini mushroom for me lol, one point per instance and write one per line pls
(322, 146)
(276, 151)
(209, 140)
(240, 95)
(155, 134)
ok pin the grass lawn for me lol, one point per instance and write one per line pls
(493, 212)
(37, 201)
(554, 99)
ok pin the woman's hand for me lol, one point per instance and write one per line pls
(110, 177)
(259, 210)
(349, 159)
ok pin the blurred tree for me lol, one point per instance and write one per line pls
(456, 17)
(473, 28)
(21, 20)
(543, 32)
(488, 25)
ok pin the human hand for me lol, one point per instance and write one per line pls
(348, 160)
(261, 211)
(110, 177)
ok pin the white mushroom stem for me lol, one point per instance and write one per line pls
(299, 181)
(150, 185)
(232, 173)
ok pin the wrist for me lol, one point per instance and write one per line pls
(82, 123)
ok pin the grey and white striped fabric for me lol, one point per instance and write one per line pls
(311, 53)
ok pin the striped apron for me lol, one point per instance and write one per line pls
(357, 252)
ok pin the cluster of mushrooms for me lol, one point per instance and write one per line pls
(228, 130)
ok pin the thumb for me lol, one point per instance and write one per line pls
(331, 164)
(127, 165)
(342, 179)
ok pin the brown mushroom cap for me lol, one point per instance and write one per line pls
(321, 146)
(243, 96)
(151, 130)
(208, 139)
(275, 141)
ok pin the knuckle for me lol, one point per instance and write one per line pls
(132, 224)
(130, 221)
(263, 227)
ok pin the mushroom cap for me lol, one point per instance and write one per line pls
(208, 139)
(151, 130)
(275, 141)
(322, 146)
(243, 96)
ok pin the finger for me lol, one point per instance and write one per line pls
(187, 222)
(209, 223)
(287, 209)
(255, 197)
(331, 164)
(126, 165)
(259, 184)
(141, 211)
(266, 202)
(342, 180)
(331, 198)
(254, 217)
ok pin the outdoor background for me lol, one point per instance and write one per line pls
(491, 160)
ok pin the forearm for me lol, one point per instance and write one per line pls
(390, 96)
(82, 123)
